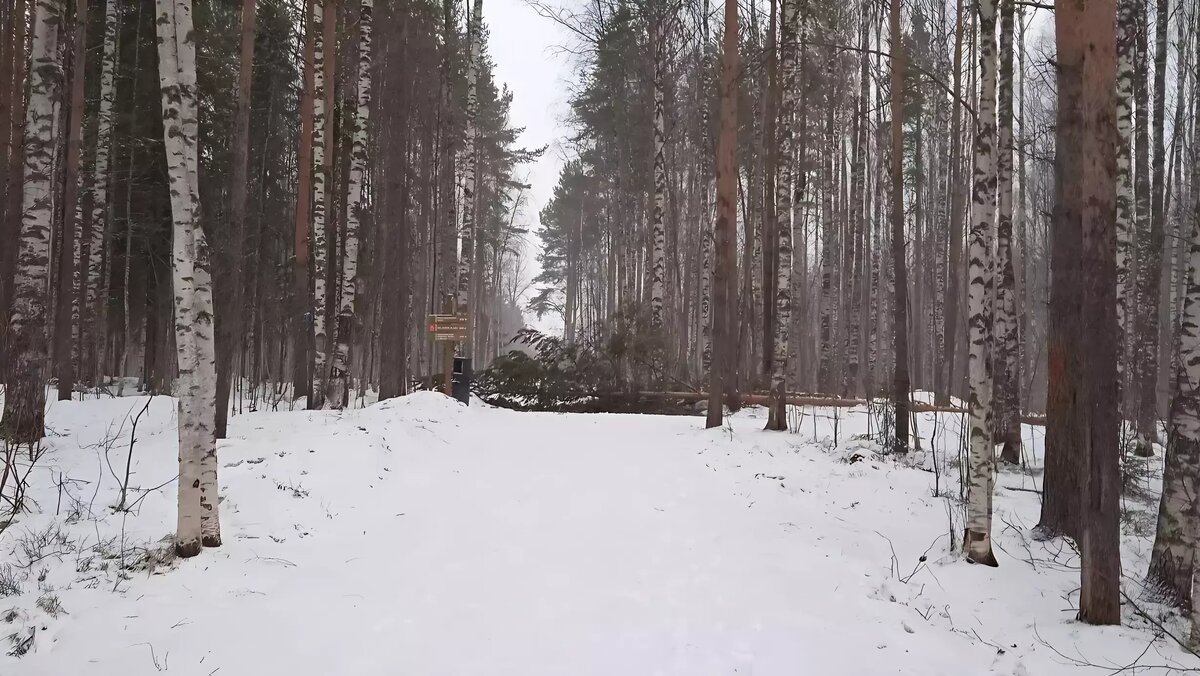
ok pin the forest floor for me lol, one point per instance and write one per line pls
(417, 536)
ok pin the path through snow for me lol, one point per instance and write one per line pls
(419, 537)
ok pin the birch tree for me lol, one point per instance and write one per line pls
(322, 94)
(25, 395)
(1169, 578)
(1008, 406)
(658, 255)
(784, 187)
(981, 457)
(1125, 36)
(466, 253)
(335, 396)
(198, 517)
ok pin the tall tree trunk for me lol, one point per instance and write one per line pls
(1149, 242)
(658, 232)
(770, 230)
(303, 311)
(1126, 41)
(471, 175)
(1087, 106)
(1062, 499)
(1172, 561)
(13, 158)
(951, 327)
(25, 396)
(65, 317)
(707, 221)
(981, 456)
(1008, 352)
(339, 373)
(726, 265)
(900, 385)
(1153, 305)
(198, 520)
(229, 327)
(324, 20)
(784, 191)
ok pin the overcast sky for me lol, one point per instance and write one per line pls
(523, 46)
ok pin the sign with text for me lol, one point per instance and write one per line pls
(447, 328)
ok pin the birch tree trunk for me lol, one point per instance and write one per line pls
(1172, 561)
(1183, 443)
(25, 397)
(337, 394)
(981, 458)
(707, 221)
(466, 254)
(320, 180)
(1007, 390)
(1169, 578)
(198, 519)
(784, 187)
(1126, 32)
(658, 234)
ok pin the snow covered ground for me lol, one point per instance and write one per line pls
(419, 537)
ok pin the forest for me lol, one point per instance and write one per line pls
(865, 221)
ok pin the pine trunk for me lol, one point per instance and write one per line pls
(229, 327)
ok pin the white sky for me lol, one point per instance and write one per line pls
(523, 46)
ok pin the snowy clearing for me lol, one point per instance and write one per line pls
(417, 536)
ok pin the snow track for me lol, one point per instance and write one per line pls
(419, 537)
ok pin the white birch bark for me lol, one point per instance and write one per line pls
(467, 233)
(981, 454)
(25, 400)
(1007, 405)
(658, 231)
(1172, 561)
(1126, 30)
(785, 184)
(335, 396)
(198, 518)
(319, 181)
(707, 220)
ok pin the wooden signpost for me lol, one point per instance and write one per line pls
(449, 329)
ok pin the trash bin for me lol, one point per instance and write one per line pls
(461, 380)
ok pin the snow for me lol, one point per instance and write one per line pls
(418, 536)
